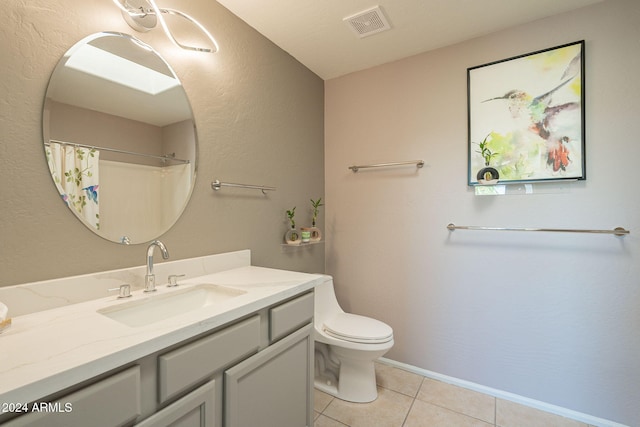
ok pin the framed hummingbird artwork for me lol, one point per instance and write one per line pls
(526, 117)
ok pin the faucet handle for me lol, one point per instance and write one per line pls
(173, 279)
(124, 290)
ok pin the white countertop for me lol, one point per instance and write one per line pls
(47, 351)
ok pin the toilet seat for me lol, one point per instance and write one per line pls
(358, 329)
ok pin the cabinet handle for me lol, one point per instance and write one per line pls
(124, 290)
(173, 279)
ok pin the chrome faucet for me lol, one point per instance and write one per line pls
(150, 278)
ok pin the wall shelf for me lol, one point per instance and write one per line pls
(302, 244)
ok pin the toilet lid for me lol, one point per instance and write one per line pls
(355, 328)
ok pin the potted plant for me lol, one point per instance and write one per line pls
(488, 174)
(316, 234)
(292, 236)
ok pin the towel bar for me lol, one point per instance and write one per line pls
(418, 163)
(618, 231)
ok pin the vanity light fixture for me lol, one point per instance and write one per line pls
(143, 15)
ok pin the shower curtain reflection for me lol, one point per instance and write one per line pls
(76, 174)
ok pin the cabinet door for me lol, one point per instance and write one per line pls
(196, 409)
(274, 387)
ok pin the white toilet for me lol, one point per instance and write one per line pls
(346, 346)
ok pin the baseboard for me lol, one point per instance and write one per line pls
(564, 412)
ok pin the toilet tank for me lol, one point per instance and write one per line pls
(325, 303)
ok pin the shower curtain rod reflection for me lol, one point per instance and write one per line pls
(115, 150)
(618, 231)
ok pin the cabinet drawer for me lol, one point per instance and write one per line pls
(188, 365)
(113, 401)
(290, 316)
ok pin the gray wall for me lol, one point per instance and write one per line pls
(551, 317)
(259, 116)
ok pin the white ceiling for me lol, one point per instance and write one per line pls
(313, 31)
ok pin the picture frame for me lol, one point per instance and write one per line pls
(526, 118)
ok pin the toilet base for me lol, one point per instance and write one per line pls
(356, 377)
(357, 383)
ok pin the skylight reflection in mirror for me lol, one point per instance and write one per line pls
(100, 63)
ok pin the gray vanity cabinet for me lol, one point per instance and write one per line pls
(256, 371)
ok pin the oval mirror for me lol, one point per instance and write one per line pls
(120, 138)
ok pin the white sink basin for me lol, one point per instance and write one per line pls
(160, 307)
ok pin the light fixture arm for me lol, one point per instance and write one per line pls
(164, 25)
(143, 15)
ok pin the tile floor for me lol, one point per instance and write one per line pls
(406, 399)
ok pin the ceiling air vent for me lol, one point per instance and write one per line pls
(368, 22)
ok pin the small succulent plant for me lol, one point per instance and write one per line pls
(290, 214)
(316, 205)
(485, 152)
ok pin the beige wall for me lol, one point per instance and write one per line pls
(69, 123)
(551, 317)
(259, 118)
